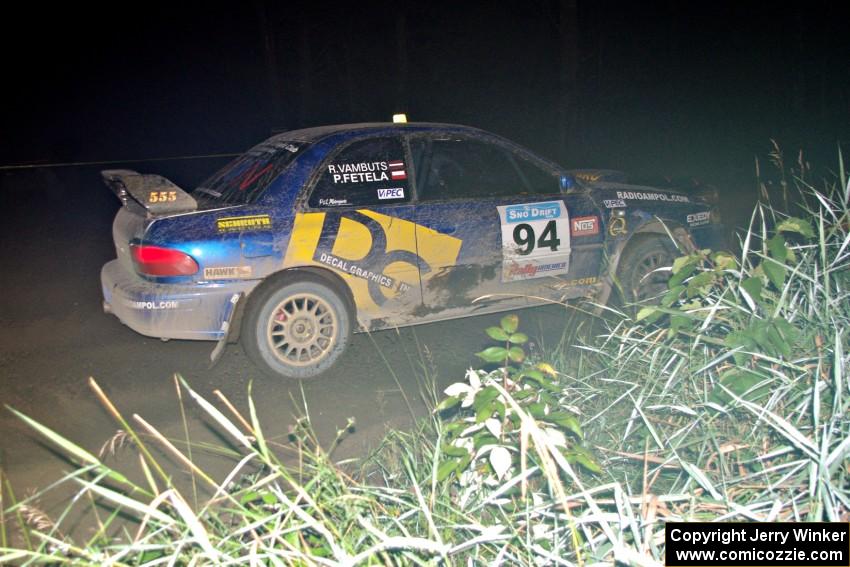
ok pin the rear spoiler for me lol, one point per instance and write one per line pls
(155, 193)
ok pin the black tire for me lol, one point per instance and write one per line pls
(638, 272)
(296, 328)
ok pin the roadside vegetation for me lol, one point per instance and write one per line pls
(725, 399)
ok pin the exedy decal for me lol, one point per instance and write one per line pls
(698, 219)
(238, 224)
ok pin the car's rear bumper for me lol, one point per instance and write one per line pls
(169, 311)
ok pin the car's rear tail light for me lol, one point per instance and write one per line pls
(157, 261)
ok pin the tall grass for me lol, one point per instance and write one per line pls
(728, 399)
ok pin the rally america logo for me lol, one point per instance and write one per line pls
(397, 172)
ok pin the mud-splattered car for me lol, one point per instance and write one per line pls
(318, 233)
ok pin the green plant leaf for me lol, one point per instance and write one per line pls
(537, 410)
(453, 451)
(484, 397)
(776, 247)
(782, 335)
(701, 284)
(775, 273)
(509, 323)
(499, 409)
(447, 403)
(516, 354)
(464, 462)
(565, 420)
(496, 334)
(753, 286)
(645, 312)
(535, 375)
(679, 322)
(724, 261)
(684, 271)
(493, 354)
(683, 262)
(484, 439)
(518, 338)
(672, 296)
(548, 399)
(741, 382)
(789, 332)
(541, 380)
(484, 412)
(580, 455)
(758, 332)
(523, 394)
(741, 339)
(794, 224)
(445, 469)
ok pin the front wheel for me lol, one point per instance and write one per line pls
(642, 270)
(297, 328)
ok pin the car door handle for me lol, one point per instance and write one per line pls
(446, 229)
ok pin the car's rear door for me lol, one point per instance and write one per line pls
(519, 241)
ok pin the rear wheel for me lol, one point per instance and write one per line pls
(296, 328)
(641, 270)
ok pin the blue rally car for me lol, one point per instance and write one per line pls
(318, 233)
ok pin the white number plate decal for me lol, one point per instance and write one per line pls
(535, 240)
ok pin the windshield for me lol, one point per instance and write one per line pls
(246, 178)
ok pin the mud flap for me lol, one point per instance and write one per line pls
(226, 326)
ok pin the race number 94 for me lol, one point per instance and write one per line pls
(527, 240)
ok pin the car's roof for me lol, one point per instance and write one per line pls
(319, 132)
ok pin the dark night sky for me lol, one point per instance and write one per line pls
(658, 86)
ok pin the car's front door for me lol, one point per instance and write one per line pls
(520, 242)
(358, 222)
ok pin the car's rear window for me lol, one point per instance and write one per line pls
(246, 178)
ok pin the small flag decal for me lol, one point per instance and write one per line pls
(397, 171)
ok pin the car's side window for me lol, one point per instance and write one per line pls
(457, 168)
(539, 181)
(366, 172)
